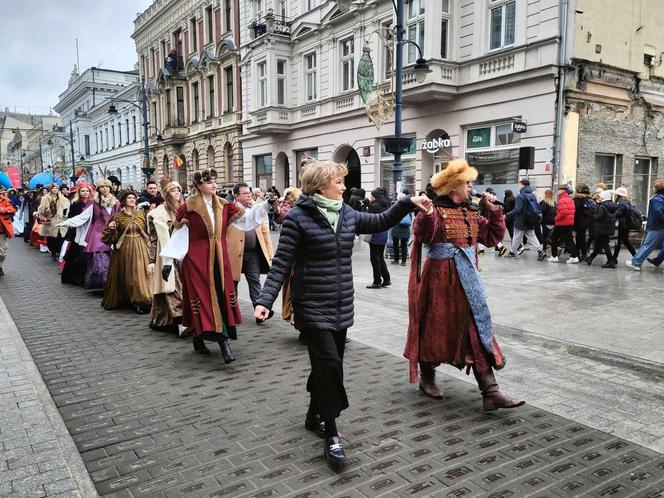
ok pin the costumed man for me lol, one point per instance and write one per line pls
(166, 311)
(449, 320)
(53, 210)
(7, 211)
(209, 301)
(249, 252)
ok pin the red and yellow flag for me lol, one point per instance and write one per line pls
(178, 161)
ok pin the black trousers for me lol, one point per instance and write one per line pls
(27, 231)
(582, 241)
(326, 380)
(623, 238)
(400, 246)
(563, 234)
(546, 234)
(377, 258)
(601, 244)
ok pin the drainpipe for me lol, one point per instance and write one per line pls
(560, 107)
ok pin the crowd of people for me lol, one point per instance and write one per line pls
(180, 258)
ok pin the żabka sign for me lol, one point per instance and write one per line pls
(433, 146)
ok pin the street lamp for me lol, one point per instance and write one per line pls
(143, 107)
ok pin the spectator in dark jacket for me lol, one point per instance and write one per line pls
(508, 204)
(584, 214)
(400, 236)
(525, 198)
(655, 228)
(604, 227)
(357, 199)
(315, 247)
(548, 208)
(623, 215)
(381, 275)
(564, 224)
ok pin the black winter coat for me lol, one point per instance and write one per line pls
(320, 261)
(582, 219)
(548, 213)
(605, 218)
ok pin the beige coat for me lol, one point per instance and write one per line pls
(235, 241)
(51, 212)
(158, 224)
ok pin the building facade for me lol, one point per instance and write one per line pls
(117, 139)
(86, 91)
(493, 63)
(193, 96)
(614, 96)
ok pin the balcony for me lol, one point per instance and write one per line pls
(175, 134)
(270, 24)
(441, 84)
(268, 121)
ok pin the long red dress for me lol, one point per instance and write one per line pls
(441, 327)
(209, 301)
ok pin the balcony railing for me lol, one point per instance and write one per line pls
(272, 24)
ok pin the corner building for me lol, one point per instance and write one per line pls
(193, 101)
(493, 62)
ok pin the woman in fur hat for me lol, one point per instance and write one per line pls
(92, 222)
(128, 274)
(52, 211)
(166, 311)
(449, 321)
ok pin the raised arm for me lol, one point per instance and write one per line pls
(492, 228)
(78, 220)
(374, 223)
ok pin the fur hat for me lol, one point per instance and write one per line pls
(457, 171)
(622, 192)
(171, 186)
(103, 183)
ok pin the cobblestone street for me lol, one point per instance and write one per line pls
(151, 418)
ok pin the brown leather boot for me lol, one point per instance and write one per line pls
(492, 398)
(428, 381)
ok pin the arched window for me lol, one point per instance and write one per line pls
(210, 157)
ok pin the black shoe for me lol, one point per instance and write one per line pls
(386, 284)
(511, 255)
(403, 263)
(395, 262)
(270, 315)
(313, 423)
(652, 261)
(226, 352)
(140, 309)
(2, 273)
(374, 286)
(609, 264)
(589, 261)
(334, 453)
(199, 345)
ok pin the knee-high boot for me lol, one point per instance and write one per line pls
(226, 352)
(492, 398)
(428, 381)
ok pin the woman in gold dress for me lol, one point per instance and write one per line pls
(128, 277)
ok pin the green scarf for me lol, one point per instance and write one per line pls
(330, 208)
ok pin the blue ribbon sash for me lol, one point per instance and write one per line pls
(472, 286)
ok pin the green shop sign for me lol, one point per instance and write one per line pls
(479, 137)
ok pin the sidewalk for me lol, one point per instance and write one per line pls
(152, 418)
(38, 456)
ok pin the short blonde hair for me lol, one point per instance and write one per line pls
(659, 184)
(315, 175)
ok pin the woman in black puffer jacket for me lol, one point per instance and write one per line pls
(315, 247)
(604, 228)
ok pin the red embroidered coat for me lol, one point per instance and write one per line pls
(441, 328)
(203, 308)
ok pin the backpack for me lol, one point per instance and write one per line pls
(406, 221)
(589, 207)
(634, 219)
(531, 212)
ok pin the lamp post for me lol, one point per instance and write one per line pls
(71, 144)
(143, 107)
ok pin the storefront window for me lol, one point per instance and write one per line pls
(264, 171)
(505, 135)
(642, 178)
(479, 138)
(408, 164)
(299, 157)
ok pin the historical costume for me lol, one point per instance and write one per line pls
(52, 211)
(209, 301)
(449, 320)
(128, 279)
(166, 308)
(75, 260)
(7, 211)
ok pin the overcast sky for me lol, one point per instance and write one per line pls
(38, 45)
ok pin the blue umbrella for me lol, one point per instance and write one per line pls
(45, 179)
(4, 180)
